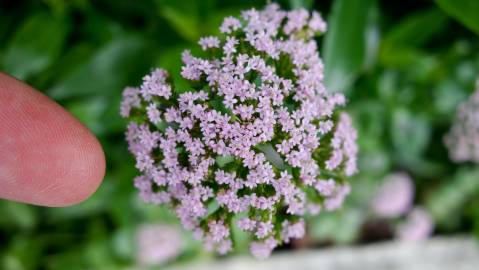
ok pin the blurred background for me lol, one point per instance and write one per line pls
(403, 65)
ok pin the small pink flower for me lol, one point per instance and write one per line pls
(462, 140)
(395, 196)
(157, 244)
(418, 226)
(209, 42)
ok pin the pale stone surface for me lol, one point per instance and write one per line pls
(457, 253)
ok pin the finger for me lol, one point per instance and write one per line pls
(47, 157)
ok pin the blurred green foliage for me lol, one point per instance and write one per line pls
(404, 65)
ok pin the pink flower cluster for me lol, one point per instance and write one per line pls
(157, 244)
(394, 199)
(395, 196)
(257, 142)
(463, 138)
(418, 226)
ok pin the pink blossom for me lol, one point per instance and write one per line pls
(325, 187)
(395, 196)
(246, 224)
(462, 140)
(229, 25)
(155, 84)
(292, 231)
(157, 244)
(418, 226)
(225, 246)
(244, 139)
(130, 101)
(218, 230)
(264, 229)
(153, 113)
(209, 42)
(317, 24)
(262, 250)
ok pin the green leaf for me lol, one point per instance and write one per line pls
(123, 60)
(372, 38)
(240, 238)
(170, 59)
(75, 56)
(296, 4)
(447, 95)
(35, 45)
(445, 203)
(89, 112)
(410, 134)
(401, 45)
(18, 215)
(405, 58)
(183, 16)
(345, 43)
(271, 155)
(406, 34)
(23, 253)
(223, 160)
(342, 226)
(465, 11)
(123, 242)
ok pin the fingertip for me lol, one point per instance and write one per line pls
(47, 157)
(83, 172)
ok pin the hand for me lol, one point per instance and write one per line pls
(47, 157)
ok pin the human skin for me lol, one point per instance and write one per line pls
(47, 157)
